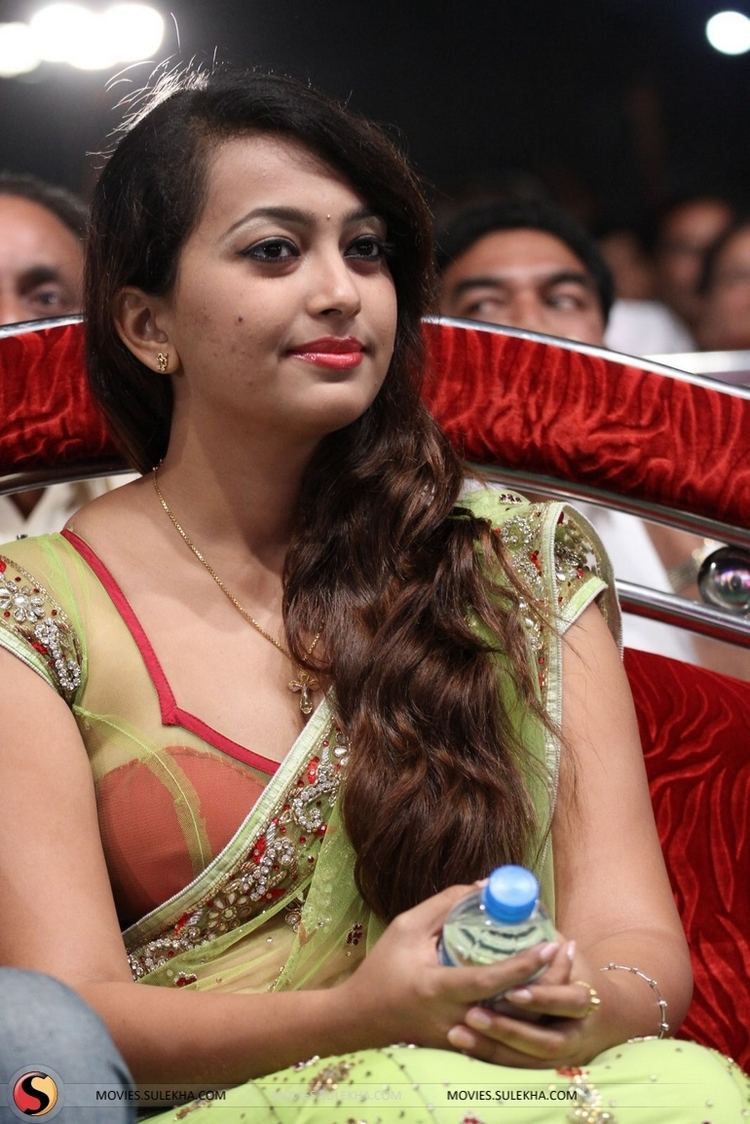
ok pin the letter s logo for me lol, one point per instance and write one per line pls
(35, 1093)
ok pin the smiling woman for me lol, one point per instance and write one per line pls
(256, 287)
(285, 697)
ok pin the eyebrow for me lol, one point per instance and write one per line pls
(566, 276)
(40, 275)
(298, 217)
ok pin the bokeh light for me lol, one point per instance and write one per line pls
(136, 29)
(71, 33)
(729, 33)
(18, 54)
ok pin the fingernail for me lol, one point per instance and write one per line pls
(478, 1017)
(571, 950)
(547, 952)
(481, 882)
(461, 1038)
(519, 995)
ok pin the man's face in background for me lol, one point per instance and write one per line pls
(524, 279)
(41, 263)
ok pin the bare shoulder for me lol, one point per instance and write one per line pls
(118, 525)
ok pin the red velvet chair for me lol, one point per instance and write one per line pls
(571, 420)
(579, 421)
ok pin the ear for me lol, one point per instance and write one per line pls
(142, 323)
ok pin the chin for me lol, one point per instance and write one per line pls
(342, 408)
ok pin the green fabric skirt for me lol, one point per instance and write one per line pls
(646, 1081)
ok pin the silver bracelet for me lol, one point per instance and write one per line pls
(663, 1024)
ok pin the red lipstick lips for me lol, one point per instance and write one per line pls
(331, 351)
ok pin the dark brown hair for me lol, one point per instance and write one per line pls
(382, 556)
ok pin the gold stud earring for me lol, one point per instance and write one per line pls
(162, 362)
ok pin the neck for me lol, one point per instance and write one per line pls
(231, 501)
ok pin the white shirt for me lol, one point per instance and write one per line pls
(55, 507)
(646, 328)
(635, 559)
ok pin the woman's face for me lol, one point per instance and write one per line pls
(283, 311)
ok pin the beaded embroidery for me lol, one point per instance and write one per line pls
(27, 610)
(589, 1103)
(574, 562)
(327, 1080)
(267, 870)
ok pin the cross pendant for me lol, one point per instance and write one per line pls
(304, 684)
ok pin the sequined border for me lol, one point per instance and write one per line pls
(282, 852)
(28, 611)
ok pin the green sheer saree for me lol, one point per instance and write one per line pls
(239, 875)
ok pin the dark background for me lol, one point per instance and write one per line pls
(613, 104)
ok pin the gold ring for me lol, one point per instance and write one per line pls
(594, 1000)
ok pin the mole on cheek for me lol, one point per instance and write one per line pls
(240, 319)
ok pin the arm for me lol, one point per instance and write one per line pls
(611, 881)
(612, 889)
(58, 916)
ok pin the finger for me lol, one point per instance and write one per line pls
(497, 1038)
(561, 965)
(571, 1001)
(468, 984)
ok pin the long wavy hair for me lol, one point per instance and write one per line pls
(383, 554)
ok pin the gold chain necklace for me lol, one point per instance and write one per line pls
(303, 683)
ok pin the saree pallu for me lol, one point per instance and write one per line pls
(240, 876)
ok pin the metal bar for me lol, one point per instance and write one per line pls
(65, 474)
(693, 615)
(598, 352)
(555, 488)
(25, 326)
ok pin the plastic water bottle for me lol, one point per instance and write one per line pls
(502, 918)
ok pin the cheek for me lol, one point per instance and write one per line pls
(591, 328)
(389, 315)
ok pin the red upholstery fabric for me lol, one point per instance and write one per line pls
(48, 416)
(694, 728)
(522, 403)
(502, 400)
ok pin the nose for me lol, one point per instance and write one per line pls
(526, 310)
(334, 290)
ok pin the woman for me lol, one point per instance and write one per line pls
(258, 264)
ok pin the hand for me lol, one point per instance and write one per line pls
(568, 1034)
(401, 993)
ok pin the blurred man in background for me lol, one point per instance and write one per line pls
(42, 239)
(683, 231)
(526, 264)
(724, 324)
(42, 234)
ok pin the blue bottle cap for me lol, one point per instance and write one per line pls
(511, 893)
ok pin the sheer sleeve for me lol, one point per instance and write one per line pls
(33, 623)
(557, 556)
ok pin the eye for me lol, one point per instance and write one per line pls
(566, 301)
(369, 248)
(484, 308)
(271, 250)
(48, 298)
